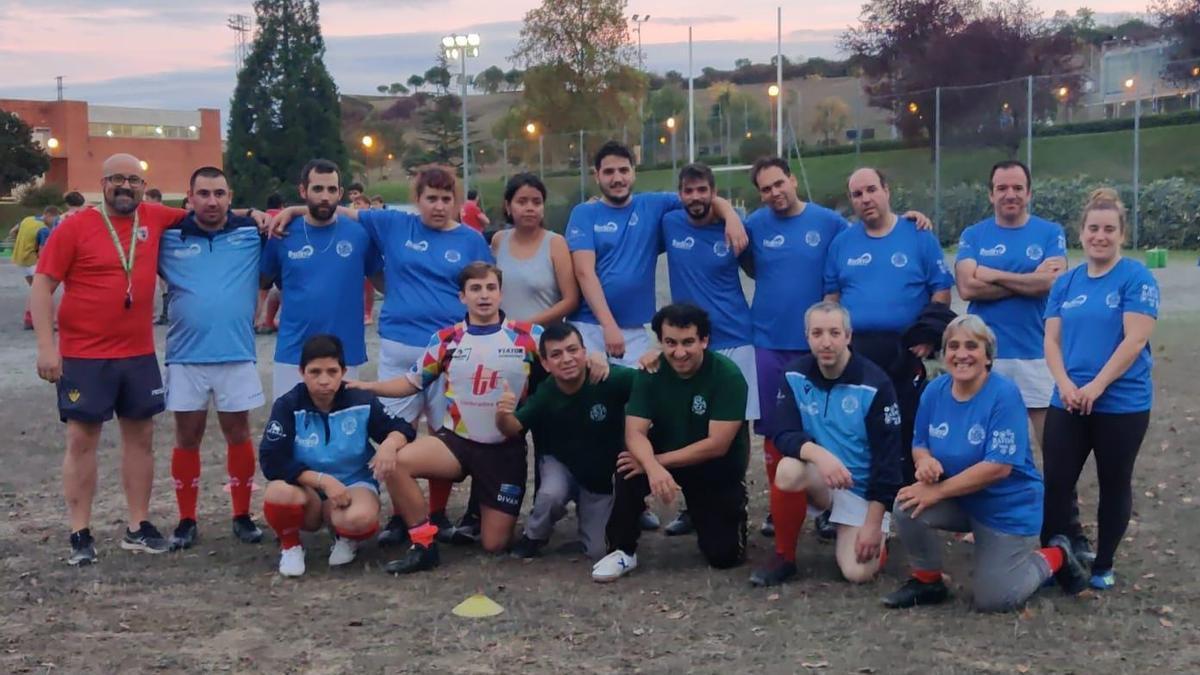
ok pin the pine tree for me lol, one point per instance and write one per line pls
(285, 109)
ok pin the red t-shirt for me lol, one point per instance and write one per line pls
(470, 216)
(92, 320)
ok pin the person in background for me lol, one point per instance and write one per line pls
(26, 235)
(377, 203)
(269, 300)
(472, 215)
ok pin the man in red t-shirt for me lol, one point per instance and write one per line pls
(104, 361)
(472, 216)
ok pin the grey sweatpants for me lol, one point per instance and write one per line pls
(1008, 568)
(557, 488)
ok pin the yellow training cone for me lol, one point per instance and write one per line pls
(477, 606)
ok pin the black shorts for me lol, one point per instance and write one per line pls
(497, 470)
(91, 390)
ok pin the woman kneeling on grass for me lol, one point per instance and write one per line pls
(316, 452)
(975, 473)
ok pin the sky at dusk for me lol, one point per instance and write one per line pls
(179, 54)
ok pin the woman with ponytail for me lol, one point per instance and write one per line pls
(1099, 319)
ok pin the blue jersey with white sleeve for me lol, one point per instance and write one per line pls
(789, 268)
(212, 285)
(989, 427)
(1092, 311)
(626, 241)
(322, 271)
(1017, 320)
(885, 281)
(704, 271)
(421, 267)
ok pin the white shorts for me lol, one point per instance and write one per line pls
(637, 342)
(1032, 377)
(396, 359)
(285, 377)
(744, 358)
(850, 509)
(234, 387)
(29, 271)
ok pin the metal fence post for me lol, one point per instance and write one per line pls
(937, 158)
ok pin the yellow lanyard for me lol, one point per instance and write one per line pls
(126, 261)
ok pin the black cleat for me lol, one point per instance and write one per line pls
(1072, 576)
(826, 530)
(916, 592)
(775, 572)
(681, 525)
(395, 533)
(445, 528)
(768, 527)
(185, 535)
(147, 539)
(527, 548)
(648, 521)
(83, 548)
(1083, 550)
(468, 530)
(417, 559)
(245, 529)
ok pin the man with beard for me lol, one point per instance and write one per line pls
(321, 260)
(104, 362)
(211, 266)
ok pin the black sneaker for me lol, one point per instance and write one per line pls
(468, 530)
(648, 521)
(185, 535)
(395, 533)
(445, 528)
(147, 539)
(1072, 576)
(775, 572)
(83, 548)
(246, 530)
(916, 592)
(417, 559)
(1083, 550)
(527, 548)
(826, 530)
(680, 526)
(768, 527)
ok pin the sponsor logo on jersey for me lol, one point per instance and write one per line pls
(573, 232)
(849, 405)
(1077, 301)
(941, 265)
(460, 353)
(861, 261)
(812, 238)
(349, 426)
(1004, 441)
(685, 244)
(1034, 252)
(899, 260)
(509, 494)
(1113, 300)
(190, 251)
(976, 434)
(607, 228)
(344, 248)
(420, 246)
(699, 405)
(891, 415)
(274, 431)
(484, 380)
(598, 413)
(720, 249)
(998, 249)
(940, 431)
(1062, 242)
(1149, 295)
(305, 252)
(453, 256)
(510, 352)
(309, 441)
(774, 242)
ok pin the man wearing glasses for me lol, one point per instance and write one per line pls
(104, 361)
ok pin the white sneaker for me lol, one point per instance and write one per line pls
(343, 552)
(613, 566)
(291, 561)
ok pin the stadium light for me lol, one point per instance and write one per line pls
(462, 47)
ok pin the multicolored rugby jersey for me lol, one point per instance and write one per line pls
(475, 361)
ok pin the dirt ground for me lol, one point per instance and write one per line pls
(221, 607)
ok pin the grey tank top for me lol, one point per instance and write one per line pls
(530, 286)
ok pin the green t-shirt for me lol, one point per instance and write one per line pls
(585, 430)
(680, 410)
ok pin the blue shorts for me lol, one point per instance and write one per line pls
(92, 390)
(770, 364)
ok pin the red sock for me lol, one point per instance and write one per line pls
(788, 509)
(368, 298)
(423, 534)
(927, 576)
(286, 520)
(1053, 556)
(185, 469)
(240, 463)
(439, 494)
(361, 535)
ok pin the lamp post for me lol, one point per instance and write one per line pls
(772, 95)
(368, 143)
(1131, 85)
(671, 130)
(532, 130)
(638, 20)
(462, 47)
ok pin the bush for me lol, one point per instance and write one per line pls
(42, 196)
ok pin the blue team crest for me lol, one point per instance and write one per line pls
(849, 405)
(1034, 252)
(274, 431)
(899, 259)
(812, 238)
(349, 426)
(699, 405)
(976, 434)
(598, 413)
(345, 248)
(453, 256)
(1113, 300)
(143, 233)
(720, 249)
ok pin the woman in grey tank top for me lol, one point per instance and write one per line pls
(539, 279)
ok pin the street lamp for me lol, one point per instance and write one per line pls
(144, 164)
(462, 47)
(772, 94)
(52, 143)
(671, 129)
(638, 20)
(913, 107)
(1130, 84)
(532, 130)
(368, 142)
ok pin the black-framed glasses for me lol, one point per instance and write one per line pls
(120, 179)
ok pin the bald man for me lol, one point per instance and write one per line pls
(104, 362)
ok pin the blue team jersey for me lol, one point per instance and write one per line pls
(704, 272)
(885, 281)
(990, 427)
(299, 437)
(1092, 311)
(212, 285)
(627, 242)
(322, 271)
(421, 267)
(1017, 321)
(789, 267)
